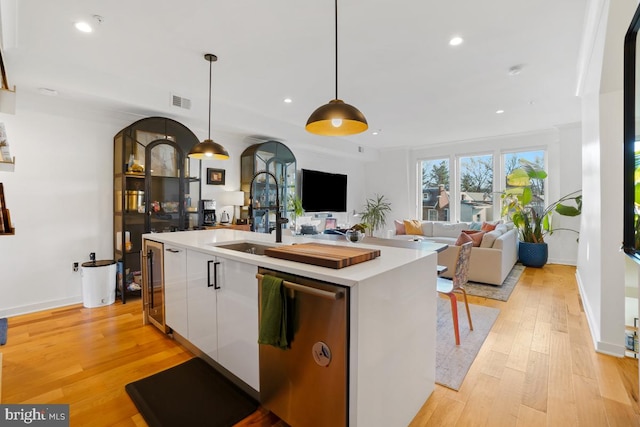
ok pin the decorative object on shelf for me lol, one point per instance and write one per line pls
(7, 162)
(7, 95)
(336, 118)
(523, 203)
(215, 176)
(375, 213)
(208, 149)
(6, 226)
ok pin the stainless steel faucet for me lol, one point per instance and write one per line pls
(279, 219)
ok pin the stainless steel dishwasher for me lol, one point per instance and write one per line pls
(306, 385)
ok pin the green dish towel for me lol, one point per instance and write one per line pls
(273, 309)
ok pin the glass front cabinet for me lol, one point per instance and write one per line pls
(277, 158)
(156, 190)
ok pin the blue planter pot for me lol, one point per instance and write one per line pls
(533, 254)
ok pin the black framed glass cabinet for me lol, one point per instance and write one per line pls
(278, 159)
(156, 189)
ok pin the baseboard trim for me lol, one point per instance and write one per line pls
(598, 345)
(46, 305)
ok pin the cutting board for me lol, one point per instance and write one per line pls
(323, 255)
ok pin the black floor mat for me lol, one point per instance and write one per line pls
(190, 394)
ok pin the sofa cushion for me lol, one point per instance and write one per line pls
(427, 228)
(476, 236)
(463, 238)
(441, 229)
(412, 226)
(489, 238)
(399, 227)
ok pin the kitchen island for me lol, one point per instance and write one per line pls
(392, 318)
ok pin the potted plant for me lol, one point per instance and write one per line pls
(523, 204)
(294, 205)
(375, 213)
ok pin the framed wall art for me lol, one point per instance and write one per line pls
(215, 176)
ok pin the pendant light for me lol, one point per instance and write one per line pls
(208, 149)
(336, 118)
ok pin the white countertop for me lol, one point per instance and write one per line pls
(206, 240)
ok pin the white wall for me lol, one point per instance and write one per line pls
(601, 265)
(61, 195)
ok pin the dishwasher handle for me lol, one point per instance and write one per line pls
(308, 289)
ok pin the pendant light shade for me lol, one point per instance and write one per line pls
(336, 118)
(208, 149)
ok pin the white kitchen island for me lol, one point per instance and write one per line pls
(392, 325)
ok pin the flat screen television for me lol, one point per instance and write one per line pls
(323, 191)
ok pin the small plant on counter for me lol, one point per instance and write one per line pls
(294, 205)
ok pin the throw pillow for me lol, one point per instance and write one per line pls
(463, 238)
(412, 226)
(475, 226)
(399, 227)
(488, 227)
(476, 236)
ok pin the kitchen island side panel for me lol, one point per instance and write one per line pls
(393, 338)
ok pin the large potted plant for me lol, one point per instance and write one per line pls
(375, 213)
(523, 203)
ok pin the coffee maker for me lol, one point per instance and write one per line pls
(208, 212)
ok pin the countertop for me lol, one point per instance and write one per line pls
(207, 241)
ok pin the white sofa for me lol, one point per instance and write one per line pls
(490, 263)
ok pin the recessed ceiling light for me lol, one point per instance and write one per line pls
(83, 27)
(456, 41)
(376, 132)
(499, 111)
(288, 100)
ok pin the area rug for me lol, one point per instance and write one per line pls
(190, 394)
(453, 361)
(3, 330)
(500, 293)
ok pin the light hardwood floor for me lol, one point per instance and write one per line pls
(537, 367)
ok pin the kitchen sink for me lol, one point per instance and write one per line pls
(248, 247)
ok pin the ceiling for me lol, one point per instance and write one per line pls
(395, 63)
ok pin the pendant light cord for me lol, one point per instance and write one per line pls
(210, 67)
(336, 24)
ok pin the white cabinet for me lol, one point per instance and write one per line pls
(222, 307)
(238, 320)
(201, 302)
(175, 289)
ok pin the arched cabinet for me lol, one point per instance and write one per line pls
(277, 158)
(156, 189)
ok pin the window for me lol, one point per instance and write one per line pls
(476, 188)
(512, 161)
(435, 189)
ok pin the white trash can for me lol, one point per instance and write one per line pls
(98, 283)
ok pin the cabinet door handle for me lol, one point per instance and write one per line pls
(173, 251)
(215, 275)
(150, 277)
(209, 284)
